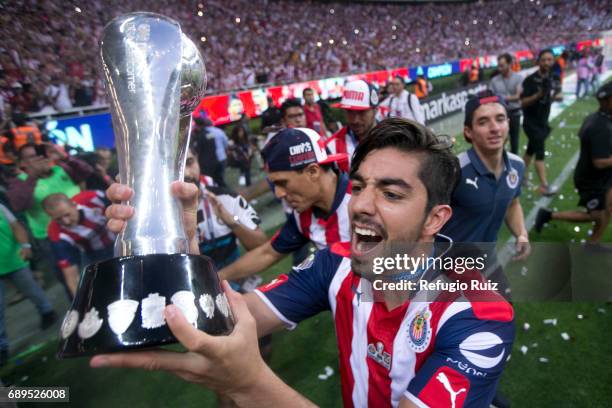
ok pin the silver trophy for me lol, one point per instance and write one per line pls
(155, 77)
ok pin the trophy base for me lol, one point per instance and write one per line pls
(119, 304)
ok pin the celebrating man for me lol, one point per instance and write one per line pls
(393, 352)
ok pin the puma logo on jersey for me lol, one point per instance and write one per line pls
(472, 182)
(447, 385)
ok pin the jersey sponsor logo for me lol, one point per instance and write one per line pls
(472, 182)
(377, 353)
(466, 368)
(419, 331)
(476, 347)
(512, 179)
(446, 388)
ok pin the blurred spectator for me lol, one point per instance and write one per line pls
(40, 178)
(24, 131)
(508, 85)
(402, 104)
(271, 116)
(422, 87)
(240, 153)
(539, 91)
(583, 73)
(314, 117)
(212, 144)
(15, 251)
(78, 232)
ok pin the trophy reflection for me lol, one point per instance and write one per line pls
(155, 77)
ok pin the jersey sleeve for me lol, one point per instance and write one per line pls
(289, 238)
(303, 292)
(467, 362)
(65, 253)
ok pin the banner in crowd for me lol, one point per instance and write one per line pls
(447, 103)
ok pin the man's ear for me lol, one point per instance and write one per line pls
(467, 134)
(313, 171)
(437, 217)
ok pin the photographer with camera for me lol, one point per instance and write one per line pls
(540, 90)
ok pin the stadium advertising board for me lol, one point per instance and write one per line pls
(447, 103)
(84, 132)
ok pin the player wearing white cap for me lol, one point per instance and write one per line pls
(360, 101)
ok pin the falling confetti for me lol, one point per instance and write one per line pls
(543, 360)
(526, 326)
(565, 336)
(328, 373)
(577, 228)
(550, 321)
(580, 317)
(601, 310)
(534, 345)
(524, 349)
(524, 271)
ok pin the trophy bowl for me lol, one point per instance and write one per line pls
(155, 77)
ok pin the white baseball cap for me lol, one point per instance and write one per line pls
(358, 95)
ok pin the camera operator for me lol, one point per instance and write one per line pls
(540, 90)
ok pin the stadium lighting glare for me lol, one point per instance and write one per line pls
(418, 50)
(490, 22)
(332, 11)
(200, 13)
(77, 9)
(319, 43)
(203, 39)
(344, 42)
(474, 21)
(237, 20)
(356, 31)
(394, 27)
(331, 41)
(394, 37)
(456, 22)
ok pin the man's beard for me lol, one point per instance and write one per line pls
(407, 244)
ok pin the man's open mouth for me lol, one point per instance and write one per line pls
(365, 239)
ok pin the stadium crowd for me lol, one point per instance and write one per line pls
(48, 49)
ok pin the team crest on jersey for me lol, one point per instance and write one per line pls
(512, 179)
(377, 353)
(419, 331)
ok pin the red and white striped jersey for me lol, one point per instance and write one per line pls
(90, 234)
(311, 225)
(447, 353)
(343, 141)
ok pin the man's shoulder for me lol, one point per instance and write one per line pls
(516, 161)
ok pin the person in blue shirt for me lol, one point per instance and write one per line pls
(490, 185)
